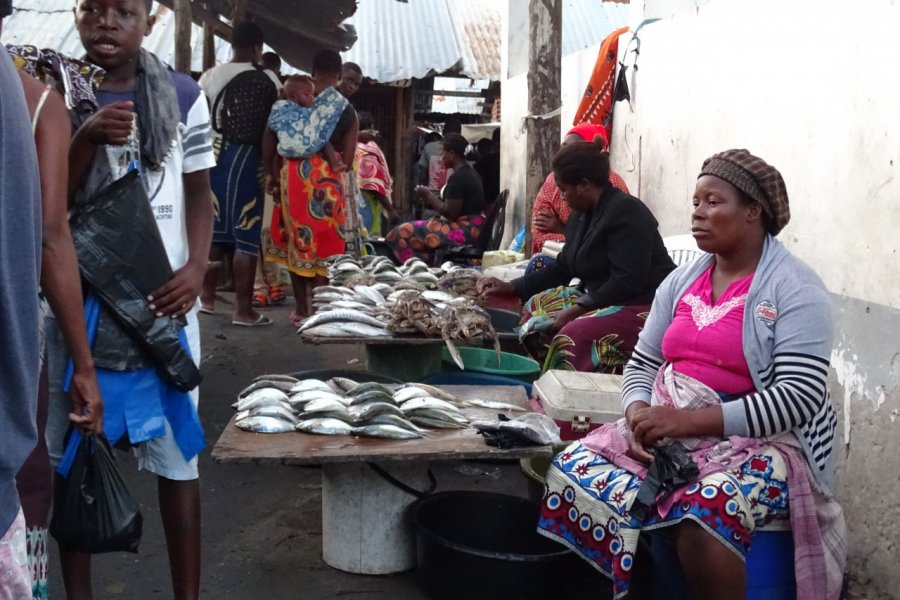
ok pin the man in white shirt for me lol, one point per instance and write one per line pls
(240, 95)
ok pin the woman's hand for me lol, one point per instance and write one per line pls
(636, 449)
(548, 223)
(659, 422)
(491, 285)
(566, 316)
(426, 195)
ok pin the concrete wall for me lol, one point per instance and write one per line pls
(810, 87)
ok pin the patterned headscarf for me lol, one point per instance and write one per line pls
(756, 178)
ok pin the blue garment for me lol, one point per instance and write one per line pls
(20, 254)
(138, 403)
(304, 131)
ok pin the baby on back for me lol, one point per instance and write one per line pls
(302, 121)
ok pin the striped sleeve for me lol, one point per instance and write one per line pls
(795, 392)
(196, 141)
(637, 382)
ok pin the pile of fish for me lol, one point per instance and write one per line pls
(348, 271)
(341, 406)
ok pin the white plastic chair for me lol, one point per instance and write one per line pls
(682, 248)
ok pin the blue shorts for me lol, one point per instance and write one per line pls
(160, 456)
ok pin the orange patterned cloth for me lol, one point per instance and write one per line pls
(308, 223)
(549, 200)
(596, 105)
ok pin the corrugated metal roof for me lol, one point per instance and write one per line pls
(51, 24)
(587, 22)
(478, 29)
(403, 40)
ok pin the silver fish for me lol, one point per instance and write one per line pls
(344, 384)
(308, 385)
(272, 410)
(352, 305)
(340, 316)
(437, 296)
(392, 419)
(364, 330)
(340, 415)
(434, 392)
(276, 377)
(420, 403)
(367, 411)
(326, 426)
(261, 397)
(435, 423)
(369, 386)
(371, 396)
(371, 295)
(437, 413)
(385, 431)
(264, 425)
(322, 405)
(408, 393)
(494, 405)
(260, 384)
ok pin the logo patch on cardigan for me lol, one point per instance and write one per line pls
(766, 312)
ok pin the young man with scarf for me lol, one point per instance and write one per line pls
(168, 111)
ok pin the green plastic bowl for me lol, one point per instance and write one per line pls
(484, 360)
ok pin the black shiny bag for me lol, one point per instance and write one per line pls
(96, 513)
(122, 258)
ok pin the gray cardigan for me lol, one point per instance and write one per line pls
(787, 337)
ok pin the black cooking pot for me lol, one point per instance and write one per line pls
(481, 545)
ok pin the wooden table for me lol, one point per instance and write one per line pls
(364, 526)
(405, 357)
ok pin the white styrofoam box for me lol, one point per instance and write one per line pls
(507, 272)
(581, 399)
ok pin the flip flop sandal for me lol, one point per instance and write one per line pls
(261, 321)
(276, 296)
(259, 300)
(295, 319)
(204, 310)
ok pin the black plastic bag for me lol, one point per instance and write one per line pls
(122, 257)
(96, 513)
(672, 467)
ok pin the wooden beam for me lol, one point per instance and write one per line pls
(183, 23)
(544, 96)
(209, 47)
(238, 12)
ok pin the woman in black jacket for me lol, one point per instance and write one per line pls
(614, 249)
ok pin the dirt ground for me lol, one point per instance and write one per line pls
(262, 529)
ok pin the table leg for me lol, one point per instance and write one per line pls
(406, 363)
(365, 528)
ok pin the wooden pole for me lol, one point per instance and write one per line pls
(209, 46)
(239, 11)
(544, 96)
(183, 22)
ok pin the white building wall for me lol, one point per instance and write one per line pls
(811, 86)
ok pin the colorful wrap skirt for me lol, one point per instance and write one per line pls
(423, 238)
(238, 200)
(308, 221)
(587, 498)
(743, 484)
(598, 341)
